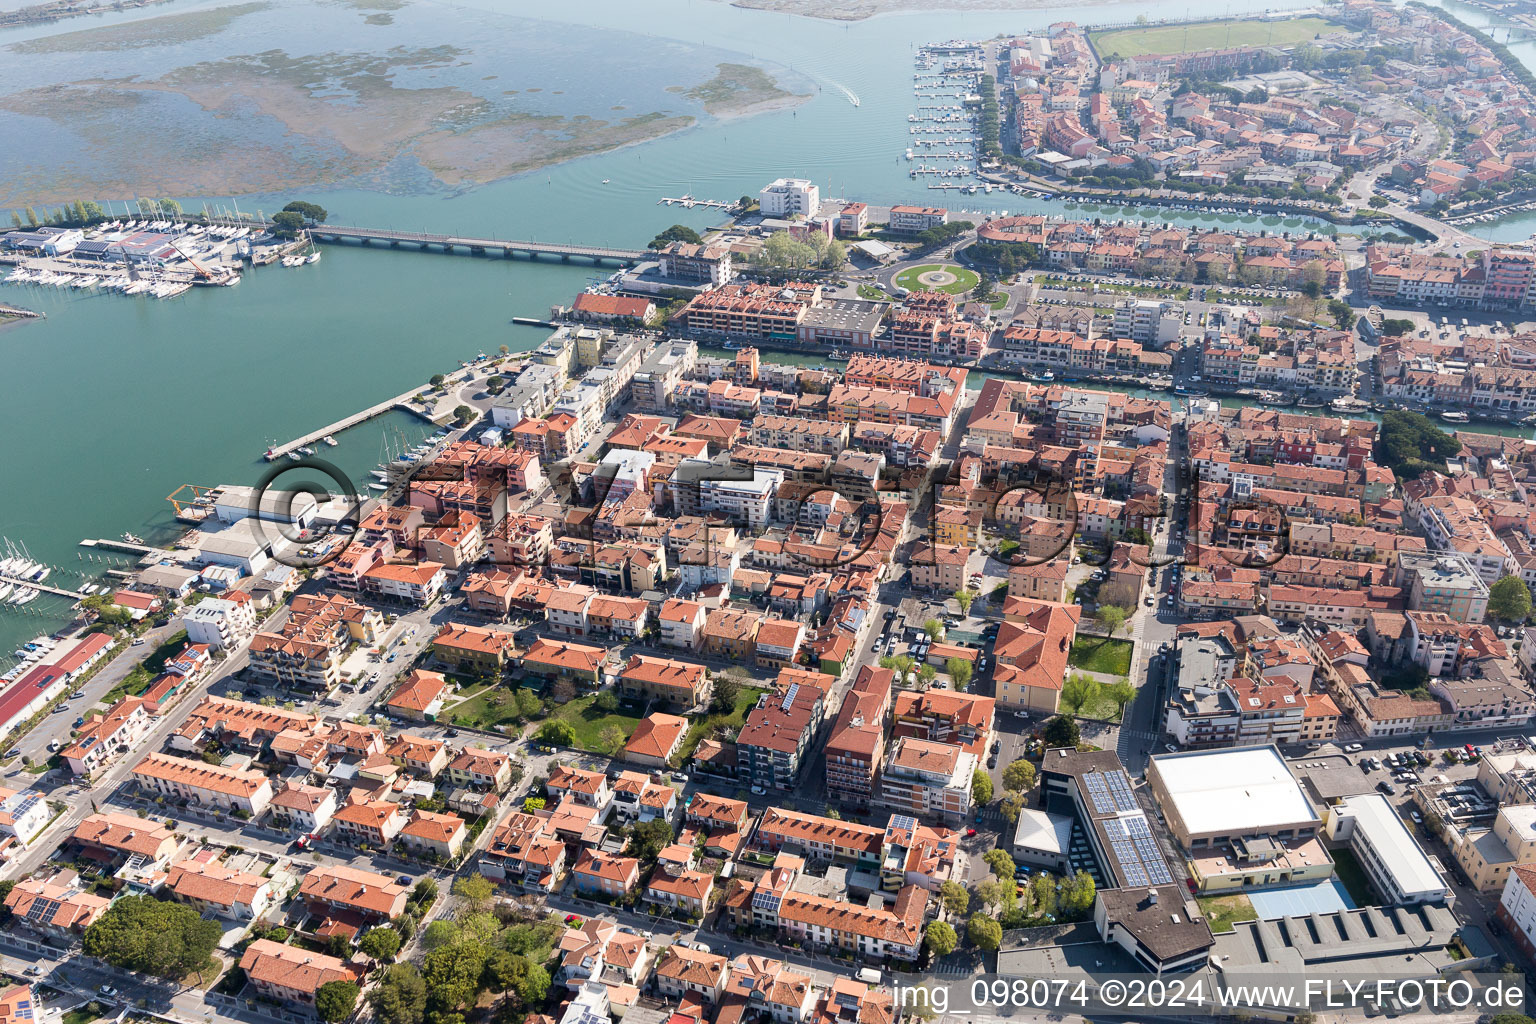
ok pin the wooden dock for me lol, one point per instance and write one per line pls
(45, 588)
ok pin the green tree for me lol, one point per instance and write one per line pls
(475, 890)
(335, 1000)
(1013, 803)
(31, 217)
(528, 703)
(782, 251)
(1121, 692)
(955, 899)
(983, 932)
(436, 380)
(400, 997)
(1078, 692)
(438, 934)
(981, 788)
(996, 893)
(1019, 776)
(286, 223)
(606, 703)
(1408, 443)
(1001, 863)
(141, 933)
(1077, 894)
(309, 211)
(452, 975)
(557, 732)
(959, 670)
(727, 693)
(611, 740)
(170, 208)
(648, 838)
(424, 892)
(1378, 202)
(534, 803)
(1342, 313)
(1111, 617)
(465, 413)
(934, 628)
(15, 219)
(927, 674)
(1061, 731)
(381, 943)
(963, 598)
(1042, 891)
(1396, 327)
(675, 233)
(834, 255)
(940, 938)
(1509, 599)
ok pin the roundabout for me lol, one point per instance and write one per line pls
(937, 277)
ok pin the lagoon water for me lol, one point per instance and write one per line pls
(112, 402)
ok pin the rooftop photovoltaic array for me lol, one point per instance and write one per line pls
(769, 901)
(903, 822)
(1131, 842)
(789, 697)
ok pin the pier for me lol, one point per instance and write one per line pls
(45, 588)
(476, 246)
(687, 202)
(398, 402)
(124, 545)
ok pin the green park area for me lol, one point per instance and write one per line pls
(1100, 654)
(1209, 35)
(935, 277)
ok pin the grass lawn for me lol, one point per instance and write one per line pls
(702, 727)
(1348, 870)
(1098, 654)
(1222, 912)
(964, 281)
(1101, 708)
(590, 724)
(869, 291)
(1210, 35)
(999, 302)
(481, 712)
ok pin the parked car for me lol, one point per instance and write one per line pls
(1387, 787)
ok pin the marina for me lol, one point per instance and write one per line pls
(300, 446)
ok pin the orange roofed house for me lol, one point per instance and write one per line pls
(347, 891)
(678, 683)
(1032, 648)
(553, 659)
(291, 973)
(656, 739)
(420, 697)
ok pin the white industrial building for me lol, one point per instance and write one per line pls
(1211, 797)
(1043, 839)
(1398, 867)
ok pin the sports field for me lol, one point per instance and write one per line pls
(1209, 35)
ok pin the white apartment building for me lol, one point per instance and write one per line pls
(928, 779)
(748, 503)
(787, 197)
(220, 623)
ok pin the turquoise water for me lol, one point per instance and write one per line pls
(112, 402)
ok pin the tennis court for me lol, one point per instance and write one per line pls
(1298, 900)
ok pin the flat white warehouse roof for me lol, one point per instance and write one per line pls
(1232, 792)
(1399, 852)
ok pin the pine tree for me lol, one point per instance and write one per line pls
(31, 217)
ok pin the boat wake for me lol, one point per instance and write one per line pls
(853, 97)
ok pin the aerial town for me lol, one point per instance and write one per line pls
(849, 602)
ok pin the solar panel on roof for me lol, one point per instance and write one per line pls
(768, 901)
(904, 822)
(789, 696)
(1120, 790)
(1098, 793)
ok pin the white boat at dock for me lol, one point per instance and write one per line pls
(306, 450)
(329, 440)
(24, 596)
(1455, 416)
